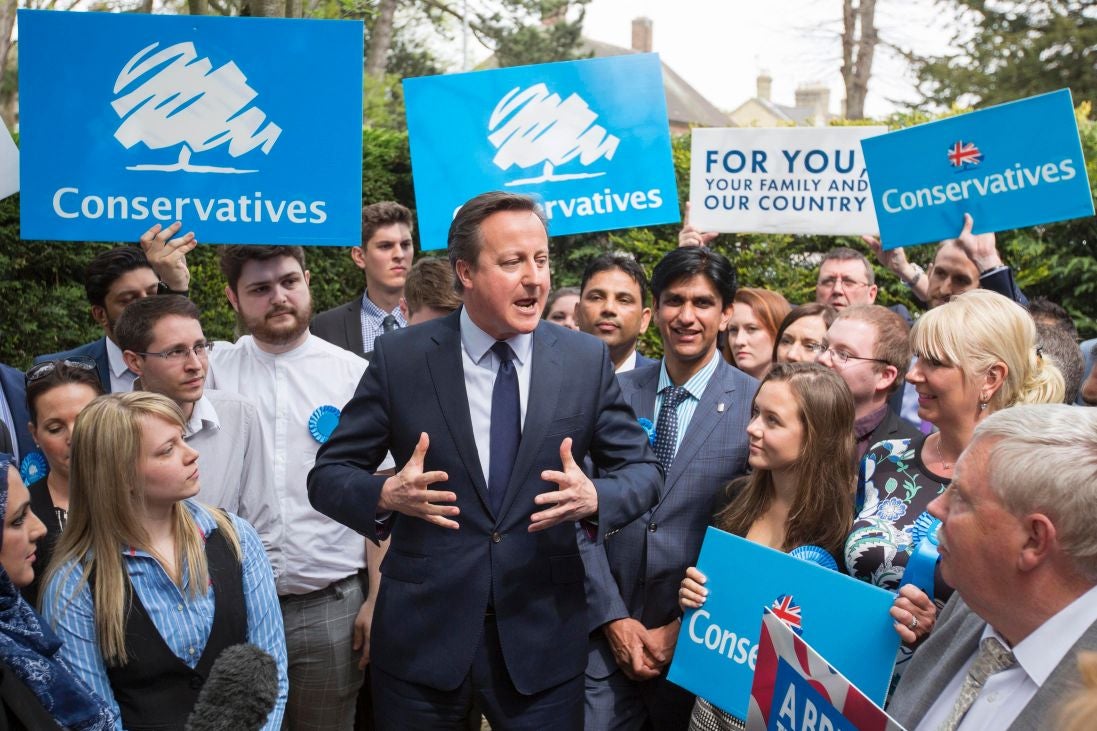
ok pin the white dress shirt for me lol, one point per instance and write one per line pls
(234, 467)
(121, 377)
(628, 365)
(287, 388)
(481, 366)
(1004, 695)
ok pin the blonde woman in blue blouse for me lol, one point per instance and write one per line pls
(147, 586)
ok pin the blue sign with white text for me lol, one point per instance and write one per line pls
(846, 620)
(797, 705)
(129, 120)
(1012, 165)
(589, 139)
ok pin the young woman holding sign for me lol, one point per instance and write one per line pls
(799, 495)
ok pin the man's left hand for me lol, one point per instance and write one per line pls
(665, 639)
(575, 499)
(360, 641)
(168, 256)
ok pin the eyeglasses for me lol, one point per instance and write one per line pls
(43, 369)
(841, 357)
(847, 283)
(177, 355)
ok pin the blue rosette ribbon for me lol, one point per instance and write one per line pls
(922, 564)
(649, 429)
(815, 555)
(322, 422)
(33, 467)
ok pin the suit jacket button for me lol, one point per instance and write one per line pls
(496, 537)
(652, 527)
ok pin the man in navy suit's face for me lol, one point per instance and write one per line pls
(506, 288)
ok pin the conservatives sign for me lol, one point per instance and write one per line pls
(588, 138)
(717, 649)
(1013, 165)
(130, 120)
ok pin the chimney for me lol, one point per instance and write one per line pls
(765, 86)
(641, 35)
(817, 98)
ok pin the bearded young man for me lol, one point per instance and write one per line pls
(300, 383)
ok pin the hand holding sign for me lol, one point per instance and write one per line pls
(982, 249)
(692, 594)
(914, 614)
(575, 499)
(407, 491)
(168, 256)
(690, 236)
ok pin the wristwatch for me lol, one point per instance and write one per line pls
(163, 288)
(918, 272)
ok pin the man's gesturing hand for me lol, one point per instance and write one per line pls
(575, 499)
(406, 492)
(168, 256)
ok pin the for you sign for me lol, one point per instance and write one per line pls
(785, 180)
(129, 120)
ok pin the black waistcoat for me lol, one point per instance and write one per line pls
(156, 690)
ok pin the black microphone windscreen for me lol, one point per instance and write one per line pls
(239, 694)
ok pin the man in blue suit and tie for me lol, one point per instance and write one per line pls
(487, 412)
(700, 407)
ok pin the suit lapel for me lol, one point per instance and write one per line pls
(705, 418)
(102, 360)
(641, 396)
(448, 375)
(352, 323)
(545, 381)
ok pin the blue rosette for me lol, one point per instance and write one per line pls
(648, 428)
(922, 564)
(33, 467)
(322, 422)
(815, 555)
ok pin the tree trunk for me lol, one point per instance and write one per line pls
(294, 8)
(7, 24)
(268, 8)
(380, 39)
(198, 7)
(858, 47)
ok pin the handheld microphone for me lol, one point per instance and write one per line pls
(239, 694)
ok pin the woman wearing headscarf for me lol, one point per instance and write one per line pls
(37, 689)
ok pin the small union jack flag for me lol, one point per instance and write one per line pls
(788, 612)
(964, 153)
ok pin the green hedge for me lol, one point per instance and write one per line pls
(45, 310)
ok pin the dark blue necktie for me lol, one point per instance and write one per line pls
(666, 430)
(389, 324)
(506, 426)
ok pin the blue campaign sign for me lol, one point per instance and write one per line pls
(846, 620)
(589, 138)
(129, 120)
(1013, 165)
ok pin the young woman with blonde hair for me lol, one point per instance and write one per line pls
(147, 586)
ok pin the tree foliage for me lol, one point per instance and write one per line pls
(1008, 49)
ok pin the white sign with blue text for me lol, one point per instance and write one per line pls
(588, 138)
(789, 180)
(1012, 165)
(845, 619)
(129, 120)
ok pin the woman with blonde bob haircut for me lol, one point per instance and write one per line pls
(974, 355)
(147, 586)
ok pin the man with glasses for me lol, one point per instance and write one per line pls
(869, 347)
(162, 342)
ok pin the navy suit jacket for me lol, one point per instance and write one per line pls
(436, 582)
(12, 385)
(643, 361)
(637, 572)
(341, 326)
(96, 350)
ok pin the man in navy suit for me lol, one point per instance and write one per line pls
(487, 411)
(613, 307)
(700, 407)
(13, 413)
(117, 277)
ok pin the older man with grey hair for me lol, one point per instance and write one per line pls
(1018, 545)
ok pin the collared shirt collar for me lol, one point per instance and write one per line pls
(1043, 650)
(203, 416)
(477, 343)
(629, 364)
(696, 384)
(370, 308)
(118, 365)
(866, 424)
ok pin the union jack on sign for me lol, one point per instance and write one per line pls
(964, 153)
(788, 612)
